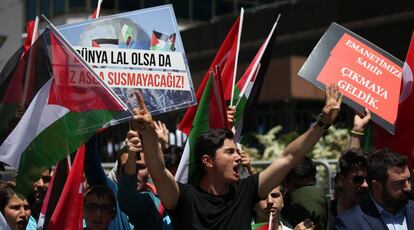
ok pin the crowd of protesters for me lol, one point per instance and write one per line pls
(372, 189)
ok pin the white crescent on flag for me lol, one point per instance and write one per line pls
(407, 82)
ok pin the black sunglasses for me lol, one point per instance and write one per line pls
(46, 179)
(358, 179)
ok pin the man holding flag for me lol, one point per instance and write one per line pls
(245, 98)
(221, 200)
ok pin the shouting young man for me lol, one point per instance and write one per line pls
(221, 200)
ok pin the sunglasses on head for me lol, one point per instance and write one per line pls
(358, 179)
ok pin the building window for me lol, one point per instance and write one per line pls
(45, 7)
(77, 3)
(31, 8)
(59, 7)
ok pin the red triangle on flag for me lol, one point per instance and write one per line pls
(220, 59)
(154, 40)
(73, 86)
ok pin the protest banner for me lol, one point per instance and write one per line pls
(368, 76)
(135, 50)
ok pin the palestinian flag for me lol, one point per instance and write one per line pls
(105, 42)
(16, 85)
(63, 115)
(225, 60)
(162, 42)
(211, 113)
(260, 226)
(249, 86)
(171, 42)
(230, 67)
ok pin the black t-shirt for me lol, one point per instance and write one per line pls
(197, 209)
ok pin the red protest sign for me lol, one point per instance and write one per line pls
(366, 75)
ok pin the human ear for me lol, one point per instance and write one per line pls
(207, 161)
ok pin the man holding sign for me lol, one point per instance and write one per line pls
(221, 200)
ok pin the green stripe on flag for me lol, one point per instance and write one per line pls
(260, 226)
(241, 104)
(54, 143)
(201, 124)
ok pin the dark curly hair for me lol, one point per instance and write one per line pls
(352, 158)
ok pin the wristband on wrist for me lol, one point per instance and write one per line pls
(320, 123)
(357, 133)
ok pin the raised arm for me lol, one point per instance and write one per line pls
(276, 172)
(357, 132)
(167, 187)
(133, 147)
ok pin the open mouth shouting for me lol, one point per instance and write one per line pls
(21, 224)
(236, 170)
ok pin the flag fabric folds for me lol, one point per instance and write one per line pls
(30, 27)
(15, 79)
(224, 59)
(210, 113)
(68, 214)
(69, 106)
(11, 92)
(53, 193)
(162, 42)
(248, 88)
(403, 139)
(260, 226)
